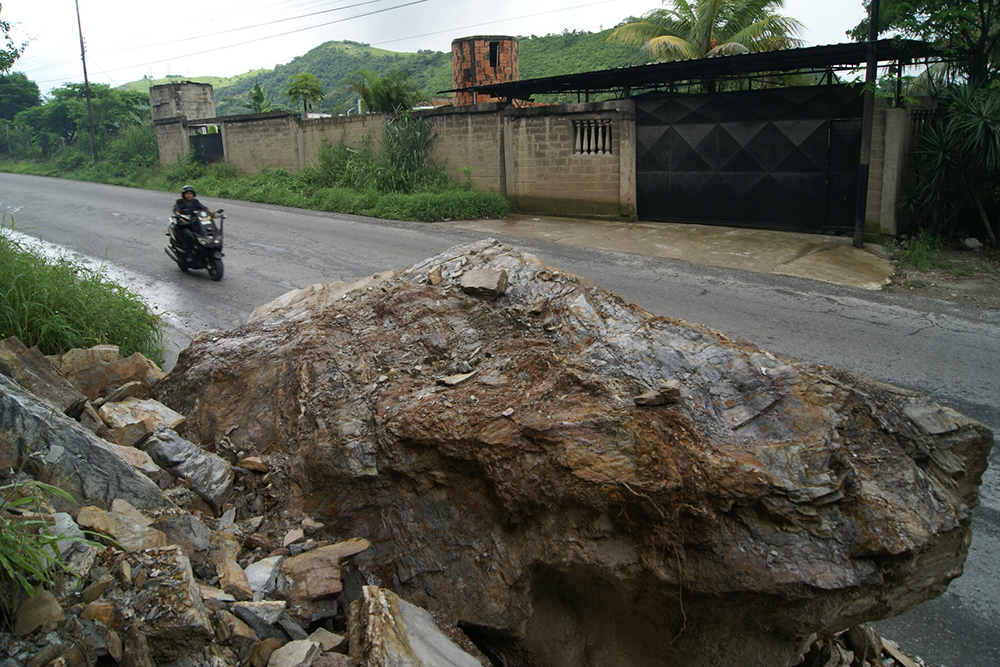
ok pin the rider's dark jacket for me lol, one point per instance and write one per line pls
(185, 207)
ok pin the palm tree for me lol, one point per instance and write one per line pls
(705, 28)
(393, 93)
(306, 87)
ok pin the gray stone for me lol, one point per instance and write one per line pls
(262, 576)
(185, 530)
(299, 653)
(210, 475)
(262, 619)
(174, 620)
(33, 371)
(972, 244)
(88, 469)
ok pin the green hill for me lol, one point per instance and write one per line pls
(334, 62)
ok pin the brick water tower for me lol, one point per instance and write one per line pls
(478, 61)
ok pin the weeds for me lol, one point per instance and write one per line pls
(28, 549)
(59, 305)
(921, 252)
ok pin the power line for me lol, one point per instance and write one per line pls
(479, 25)
(282, 34)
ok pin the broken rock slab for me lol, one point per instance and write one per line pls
(33, 371)
(776, 502)
(210, 475)
(59, 451)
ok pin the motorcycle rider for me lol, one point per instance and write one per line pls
(188, 205)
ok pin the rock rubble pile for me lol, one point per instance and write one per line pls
(478, 460)
(180, 582)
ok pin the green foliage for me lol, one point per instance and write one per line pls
(403, 165)
(259, 101)
(63, 119)
(27, 547)
(17, 93)
(307, 88)
(392, 93)
(58, 305)
(704, 28)
(957, 162)
(572, 52)
(336, 63)
(921, 252)
(9, 51)
(968, 29)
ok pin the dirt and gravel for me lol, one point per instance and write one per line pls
(969, 277)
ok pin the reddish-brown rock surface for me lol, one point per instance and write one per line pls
(492, 453)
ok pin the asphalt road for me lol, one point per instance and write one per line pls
(948, 351)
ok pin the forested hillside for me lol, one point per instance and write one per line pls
(334, 62)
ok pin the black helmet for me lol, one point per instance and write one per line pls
(188, 188)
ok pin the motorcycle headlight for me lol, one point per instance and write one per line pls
(202, 240)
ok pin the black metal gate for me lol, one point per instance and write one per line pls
(208, 147)
(779, 159)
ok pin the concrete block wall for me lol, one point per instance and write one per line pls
(171, 139)
(546, 175)
(262, 141)
(473, 138)
(351, 130)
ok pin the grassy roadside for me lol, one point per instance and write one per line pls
(939, 269)
(317, 189)
(58, 305)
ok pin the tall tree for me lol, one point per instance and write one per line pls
(702, 28)
(968, 29)
(9, 51)
(306, 87)
(393, 93)
(17, 93)
(65, 113)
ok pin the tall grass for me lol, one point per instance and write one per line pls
(58, 305)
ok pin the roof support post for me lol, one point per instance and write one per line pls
(867, 121)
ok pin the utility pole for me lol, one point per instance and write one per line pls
(86, 83)
(867, 120)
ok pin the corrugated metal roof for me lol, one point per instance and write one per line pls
(628, 80)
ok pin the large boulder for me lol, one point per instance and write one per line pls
(494, 455)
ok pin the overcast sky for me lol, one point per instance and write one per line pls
(129, 39)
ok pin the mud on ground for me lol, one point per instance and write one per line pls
(968, 277)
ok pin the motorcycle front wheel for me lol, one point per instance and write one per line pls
(214, 268)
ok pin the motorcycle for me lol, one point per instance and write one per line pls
(206, 252)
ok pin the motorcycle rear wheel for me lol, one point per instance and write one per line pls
(214, 268)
